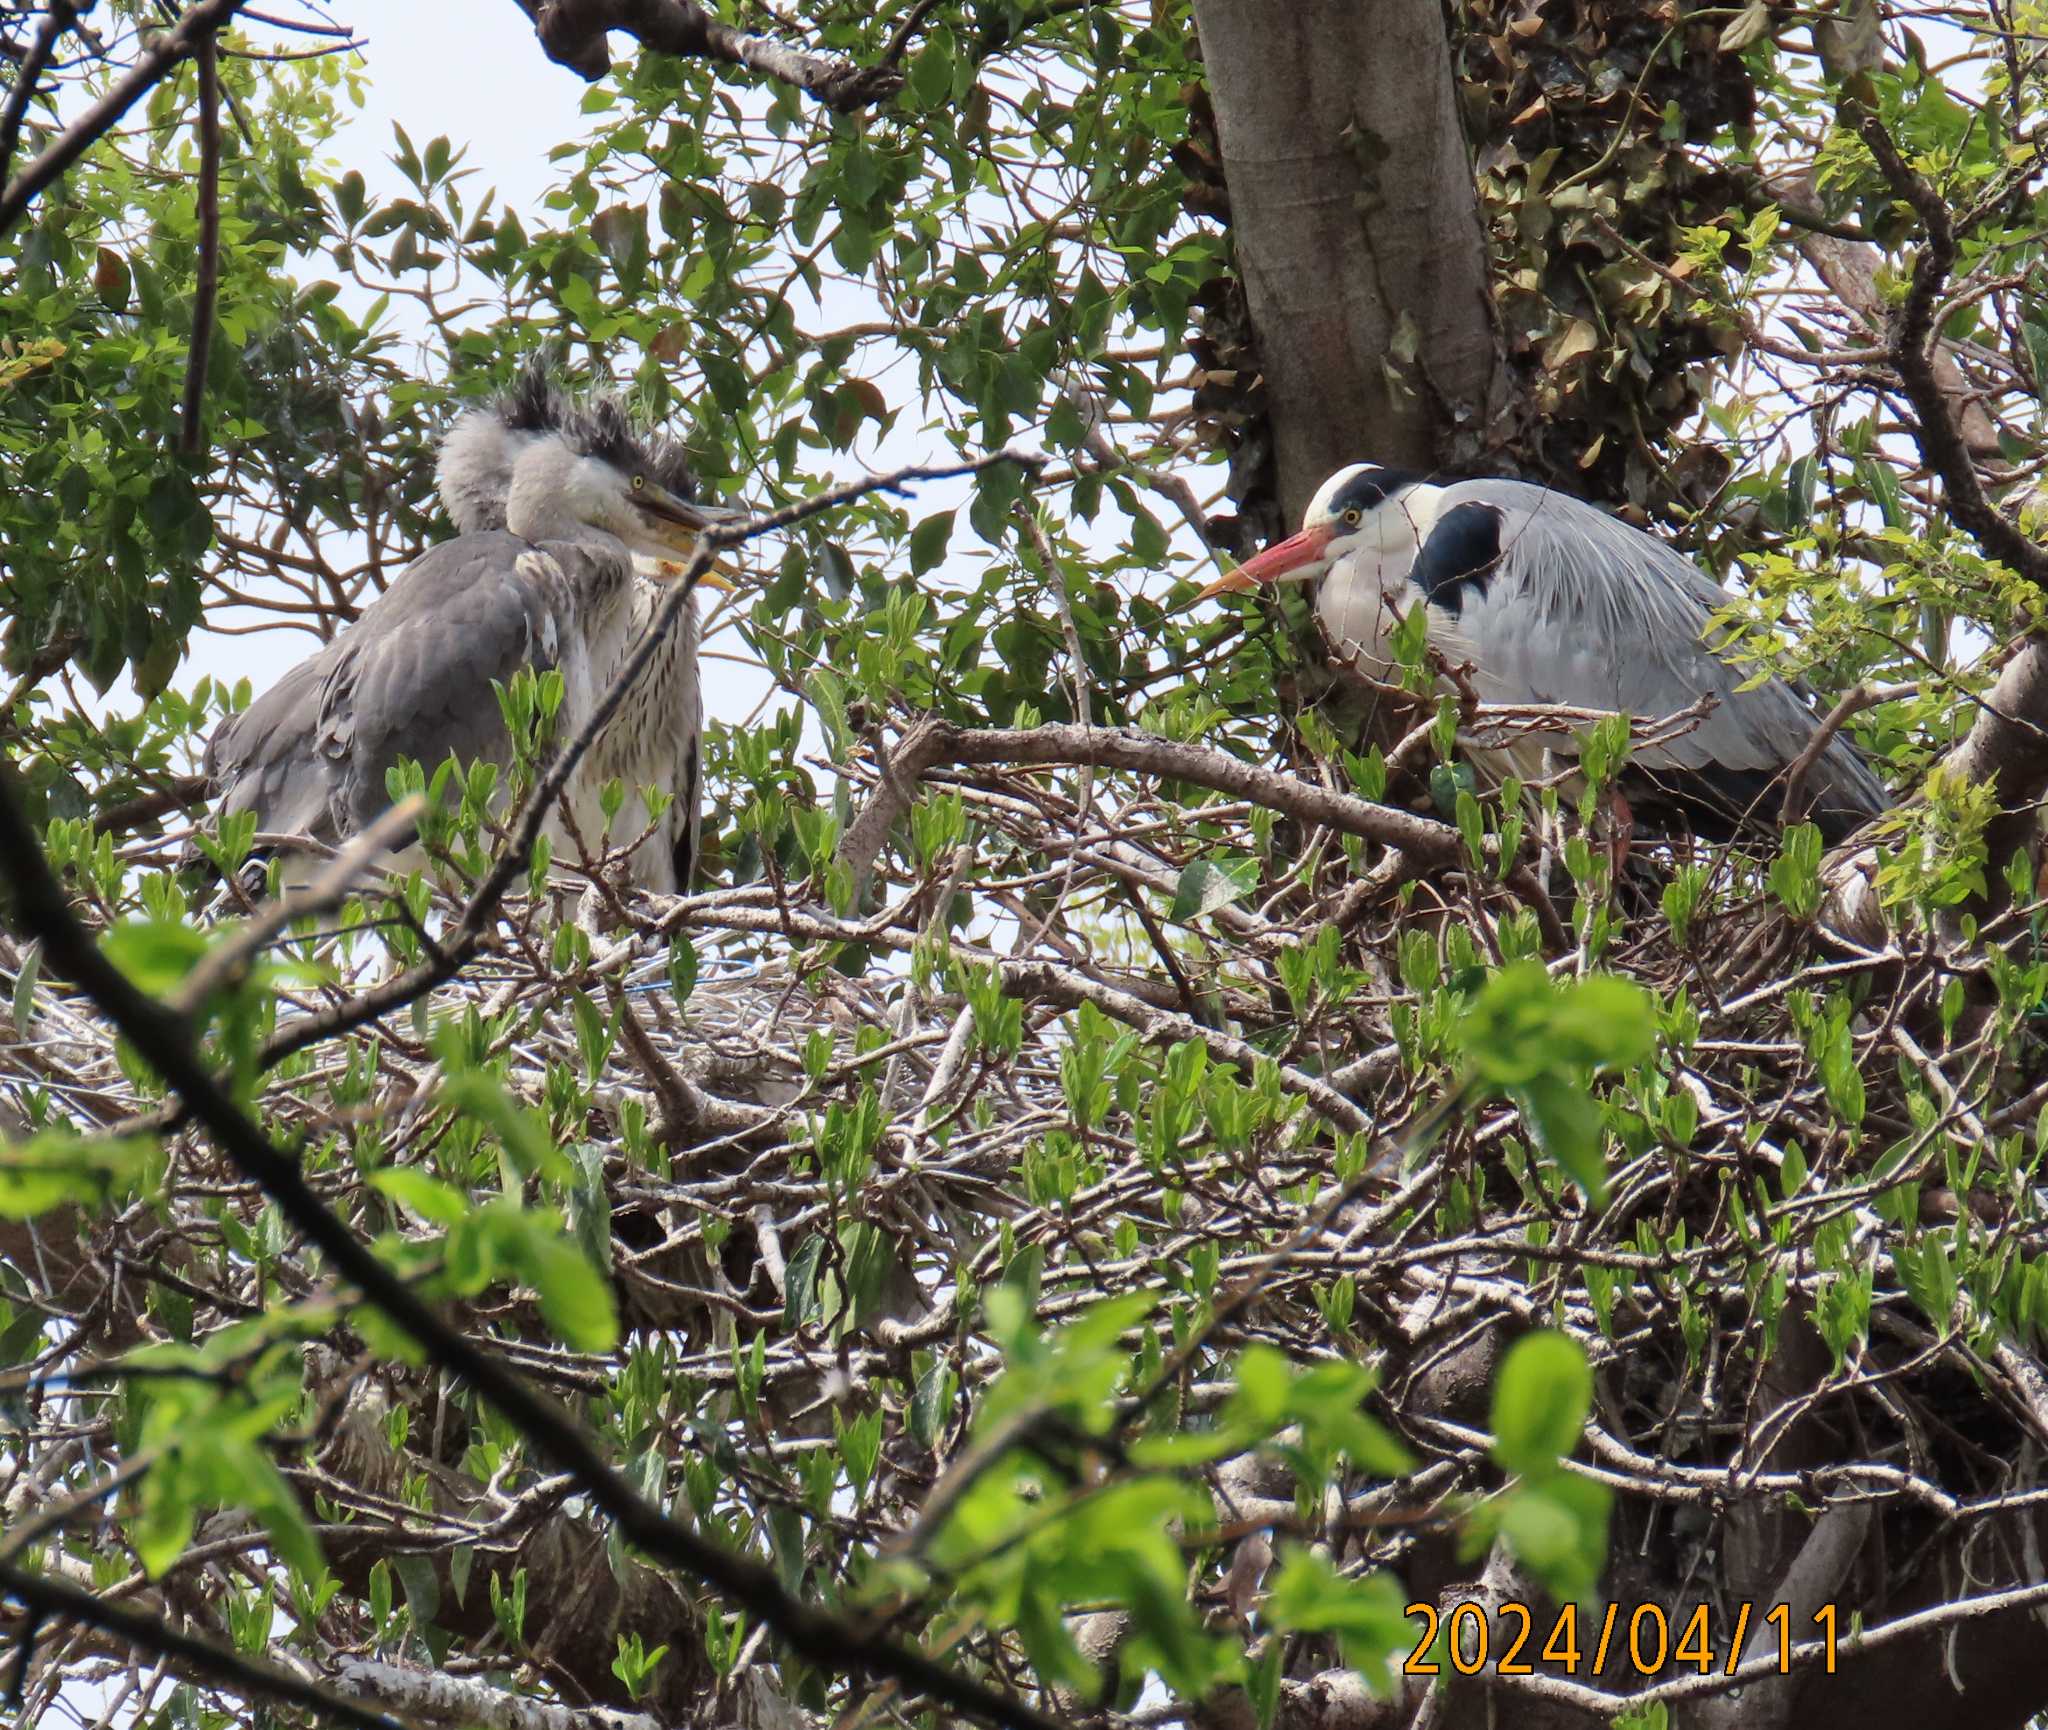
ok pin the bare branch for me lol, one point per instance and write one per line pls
(207, 286)
(933, 742)
(58, 19)
(573, 32)
(163, 53)
(1911, 340)
(47, 1596)
(431, 1697)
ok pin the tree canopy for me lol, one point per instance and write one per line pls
(1138, 1184)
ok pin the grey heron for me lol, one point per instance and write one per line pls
(555, 500)
(1551, 600)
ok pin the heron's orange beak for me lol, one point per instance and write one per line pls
(677, 524)
(1290, 561)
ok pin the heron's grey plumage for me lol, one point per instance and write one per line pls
(1551, 600)
(262, 760)
(553, 591)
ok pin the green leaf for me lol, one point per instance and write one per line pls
(800, 1282)
(422, 1587)
(1262, 1683)
(1207, 884)
(835, 566)
(1308, 1596)
(1566, 1124)
(828, 697)
(1795, 873)
(1525, 1023)
(929, 540)
(931, 74)
(1540, 1401)
(1557, 1528)
(156, 954)
(682, 968)
(56, 1167)
(434, 1202)
(574, 1297)
(163, 1525)
(25, 988)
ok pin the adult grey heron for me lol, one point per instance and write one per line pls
(555, 499)
(1551, 600)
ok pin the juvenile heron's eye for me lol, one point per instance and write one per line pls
(639, 482)
(1352, 518)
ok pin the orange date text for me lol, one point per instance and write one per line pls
(1643, 1640)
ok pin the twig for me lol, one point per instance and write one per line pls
(163, 52)
(60, 17)
(207, 286)
(1852, 701)
(933, 741)
(160, 1037)
(1911, 338)
(326, 891)
(899, 38)
(45, 1595)
(1053, 983)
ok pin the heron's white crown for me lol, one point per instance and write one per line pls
(1380, 514)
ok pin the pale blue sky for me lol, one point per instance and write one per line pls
(470, 69)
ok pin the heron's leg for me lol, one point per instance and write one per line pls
(1546, 824)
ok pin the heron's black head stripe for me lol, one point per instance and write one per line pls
(1371, 487)
(597, 426)
(1459, 557)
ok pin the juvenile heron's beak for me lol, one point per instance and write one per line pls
(1295, 559)
(676, 526)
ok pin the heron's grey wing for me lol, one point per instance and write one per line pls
(414, 675)
(264, 758)
(1577, 607)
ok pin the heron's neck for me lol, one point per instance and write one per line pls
(540, 520)
(549, 500)
(1375, 561)
(1406, 519)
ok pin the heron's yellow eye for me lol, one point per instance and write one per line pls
(1352, 518)
(639, 482)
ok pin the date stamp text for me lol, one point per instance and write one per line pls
(1510, 1642)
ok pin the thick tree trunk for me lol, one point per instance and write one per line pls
(1357, 229)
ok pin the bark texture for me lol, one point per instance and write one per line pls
(1357, 229)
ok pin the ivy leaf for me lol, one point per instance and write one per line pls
(1753, 25)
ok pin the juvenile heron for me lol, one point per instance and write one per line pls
(1551, 600)
(554, 499)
